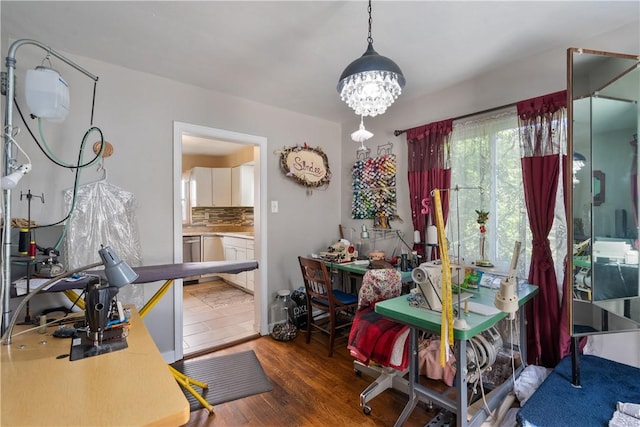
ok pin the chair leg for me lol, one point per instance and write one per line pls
(383, 382)
(332, 331)
(309, 321)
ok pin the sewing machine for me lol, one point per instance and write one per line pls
(428, 278)
(341, 251)
(104, 314)
(51, 267)
(107, 325)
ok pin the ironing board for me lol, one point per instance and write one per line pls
(168, 273)
(155, 273)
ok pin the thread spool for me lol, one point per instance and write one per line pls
(23, 241)
(43, 324)
(32, 249)
(404, 262)
(416, 236)
(432, 235)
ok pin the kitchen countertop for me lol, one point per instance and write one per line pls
(240, 234)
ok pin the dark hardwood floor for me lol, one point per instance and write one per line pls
(309, 389)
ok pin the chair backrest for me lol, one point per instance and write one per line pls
(317, 281)
(378, 285)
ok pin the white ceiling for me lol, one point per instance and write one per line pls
(289, 54)
(208, 147)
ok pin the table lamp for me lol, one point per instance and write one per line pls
(11, 180)
(117, 271)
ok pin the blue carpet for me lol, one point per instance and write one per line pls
(558, 403)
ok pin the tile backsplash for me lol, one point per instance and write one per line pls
(213, 216)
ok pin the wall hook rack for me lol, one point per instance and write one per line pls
(385, 148)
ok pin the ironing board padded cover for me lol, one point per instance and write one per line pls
(154, 273)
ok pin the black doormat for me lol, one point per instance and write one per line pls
(229, 377)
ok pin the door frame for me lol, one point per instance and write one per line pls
(260, 210)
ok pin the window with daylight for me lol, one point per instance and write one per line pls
(487, 172)
(486, 176)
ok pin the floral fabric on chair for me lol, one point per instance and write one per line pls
(378, 285)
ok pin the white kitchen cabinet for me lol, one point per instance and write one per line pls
(221, 186)
(235, 249)
(210, 187)
(201, 187)
(242, 185)
(212, 249)
(185, 197)
(250, 274)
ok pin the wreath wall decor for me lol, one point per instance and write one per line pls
(305, 165)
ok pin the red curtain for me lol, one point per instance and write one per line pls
(428, 150)
(542, 120)
(567, 298)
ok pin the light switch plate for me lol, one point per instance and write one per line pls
(274, 206)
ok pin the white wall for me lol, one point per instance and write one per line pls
(136, 112)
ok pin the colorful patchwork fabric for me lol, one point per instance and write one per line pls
(378, 285)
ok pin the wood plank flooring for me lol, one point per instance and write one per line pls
(309, 389)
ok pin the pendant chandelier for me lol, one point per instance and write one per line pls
(371, 83)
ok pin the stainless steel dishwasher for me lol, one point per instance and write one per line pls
(191, 252)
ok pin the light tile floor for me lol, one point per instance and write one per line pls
(215, 314)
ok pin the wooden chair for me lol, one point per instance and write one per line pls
(334, 309)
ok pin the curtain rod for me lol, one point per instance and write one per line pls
(489, 110)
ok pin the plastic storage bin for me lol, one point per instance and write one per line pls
(282, 323)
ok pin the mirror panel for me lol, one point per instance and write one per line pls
(604, 89)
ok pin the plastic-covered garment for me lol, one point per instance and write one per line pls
(104, 215)
(529, 381)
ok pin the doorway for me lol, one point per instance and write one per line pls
(212, 313)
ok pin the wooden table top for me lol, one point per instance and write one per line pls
(128, 387)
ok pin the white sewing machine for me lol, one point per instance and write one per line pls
(341, 251)
(428, 277)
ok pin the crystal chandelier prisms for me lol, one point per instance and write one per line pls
(371, 83)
